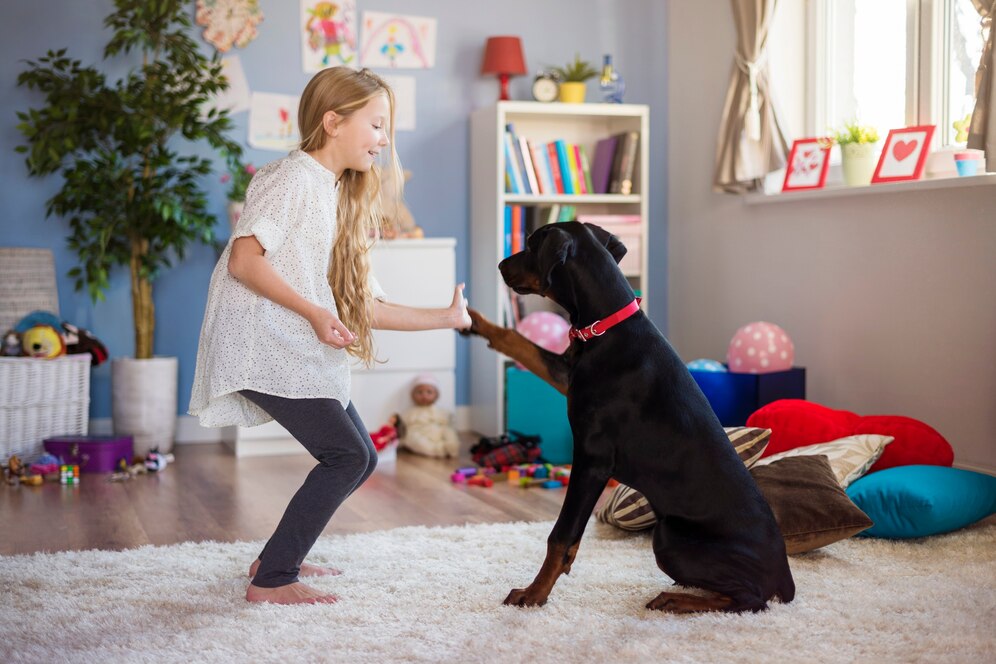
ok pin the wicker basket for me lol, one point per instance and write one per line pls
(42, 398)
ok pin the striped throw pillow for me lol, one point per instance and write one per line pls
(628, 509)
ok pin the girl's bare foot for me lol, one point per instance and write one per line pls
(294, 593)
(306, 570)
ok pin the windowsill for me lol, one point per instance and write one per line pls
(842, 191)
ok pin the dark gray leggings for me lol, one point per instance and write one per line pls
(346, 457)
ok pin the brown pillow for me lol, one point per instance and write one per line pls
(809, 505)
(626, 508)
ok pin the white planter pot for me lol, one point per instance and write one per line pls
(144, 401)
(858, 161)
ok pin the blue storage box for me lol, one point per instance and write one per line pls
(533, 407)
(734, 396)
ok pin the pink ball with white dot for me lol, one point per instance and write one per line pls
(760, 347)
(545, 329)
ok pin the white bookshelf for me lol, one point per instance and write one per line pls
(583, 124)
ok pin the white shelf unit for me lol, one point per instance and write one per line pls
(583, 124)
(418, 273)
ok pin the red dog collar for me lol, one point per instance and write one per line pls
(599, 327)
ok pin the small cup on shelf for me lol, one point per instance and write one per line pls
(969, 162)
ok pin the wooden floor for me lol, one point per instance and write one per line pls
(208, 494)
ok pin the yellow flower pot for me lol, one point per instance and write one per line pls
(572, 92)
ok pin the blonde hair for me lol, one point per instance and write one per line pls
(360, 214)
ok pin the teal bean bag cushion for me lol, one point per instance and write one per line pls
(916, 501)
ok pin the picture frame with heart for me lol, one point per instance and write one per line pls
(904, 154)
(807, 166)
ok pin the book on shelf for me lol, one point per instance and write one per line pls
(624, 163)
(518, 161)
(527, 160)
(565, 166)
(513, 179)
(589, 185)
(601, 168)
(579, 169)
(554, 162)
(541, 166)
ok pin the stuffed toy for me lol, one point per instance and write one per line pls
(42, 341)
(387, 434)
(11, 344)
(79, 341)
(427, 428)
(397, 220)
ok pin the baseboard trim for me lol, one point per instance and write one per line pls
(987, 470)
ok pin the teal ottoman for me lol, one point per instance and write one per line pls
(533, 407)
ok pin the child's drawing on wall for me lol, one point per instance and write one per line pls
(329, 33)
(399, 42)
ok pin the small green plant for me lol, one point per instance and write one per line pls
(578, 71)
(239, 175)
(852, 132)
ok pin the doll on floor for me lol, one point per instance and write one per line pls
(427, 428)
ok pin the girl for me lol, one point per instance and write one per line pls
(291, 296)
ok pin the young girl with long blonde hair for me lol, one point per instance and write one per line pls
(292, 296)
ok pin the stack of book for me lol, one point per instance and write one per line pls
(559, 167)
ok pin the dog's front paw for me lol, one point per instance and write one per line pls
(525, 597)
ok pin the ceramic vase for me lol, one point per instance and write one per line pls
(858, 162)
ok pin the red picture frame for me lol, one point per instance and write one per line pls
(807, 166)
(904, 154)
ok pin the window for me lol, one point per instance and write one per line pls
(890, 64)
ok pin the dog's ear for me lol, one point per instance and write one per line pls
(616, 248)
(557, 247)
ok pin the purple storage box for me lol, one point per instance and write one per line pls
(93, 454)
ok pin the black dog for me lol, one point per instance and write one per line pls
(637, 415)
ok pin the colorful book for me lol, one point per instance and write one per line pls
(558, 180)
(519, 159)
(565, 166)
(518, 229)
(511, 167)
(507, 248)
(579, 168)
(542, 174)
(601, 169)
(527, 160)
(622, 175)
(589, 185)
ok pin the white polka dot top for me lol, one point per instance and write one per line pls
(249, 342)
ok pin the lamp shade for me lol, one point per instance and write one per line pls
(503, 55)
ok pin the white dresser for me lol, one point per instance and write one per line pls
(418, 273)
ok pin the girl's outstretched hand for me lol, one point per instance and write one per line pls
(329, 329)
(459, 309)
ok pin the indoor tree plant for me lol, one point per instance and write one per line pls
(858, 155)
(237, 178)
(131, 199)
(572, 79)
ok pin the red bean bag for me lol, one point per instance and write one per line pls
(795, 423)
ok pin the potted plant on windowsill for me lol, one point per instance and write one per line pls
(858, 152)
(130, 198)
(572, 79)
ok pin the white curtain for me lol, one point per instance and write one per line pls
(751, 143)
(982, 131)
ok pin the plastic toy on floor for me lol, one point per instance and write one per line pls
(387, 434)
(427, 428)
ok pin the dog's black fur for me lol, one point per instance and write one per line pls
(637, 415)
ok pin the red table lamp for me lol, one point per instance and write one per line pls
(503, 56)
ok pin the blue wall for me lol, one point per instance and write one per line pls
(437, 152)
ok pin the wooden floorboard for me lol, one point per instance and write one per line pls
(208, 494)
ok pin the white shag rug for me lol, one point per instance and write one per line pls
(434, 595)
